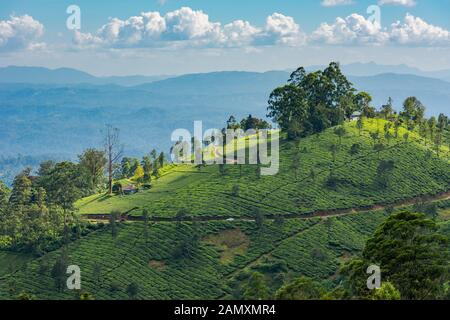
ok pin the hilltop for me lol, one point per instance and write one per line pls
(208, 192)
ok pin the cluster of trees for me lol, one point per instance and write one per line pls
(312, 102)
(142, 171)
(410, 251)
(36, 215)
(247, 123)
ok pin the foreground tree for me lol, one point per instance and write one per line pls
(301, 289)
(411, 253)
(256, 287)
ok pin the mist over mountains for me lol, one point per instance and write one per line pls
(59, 113)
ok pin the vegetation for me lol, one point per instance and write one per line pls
(348, 194)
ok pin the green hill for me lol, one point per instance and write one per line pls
(213, 259)
(208, 192)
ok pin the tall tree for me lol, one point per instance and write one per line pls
(114, 152)
(93, 163)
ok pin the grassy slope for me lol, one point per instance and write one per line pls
(313, 247)
(208, 193)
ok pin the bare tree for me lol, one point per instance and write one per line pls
(113, 151)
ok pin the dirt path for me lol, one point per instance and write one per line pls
(315, 214)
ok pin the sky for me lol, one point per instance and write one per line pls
(162, 37)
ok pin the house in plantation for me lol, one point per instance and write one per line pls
(355, 116)
(130, 189)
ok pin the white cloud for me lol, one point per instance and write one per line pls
(354, 29)
(20, 32)
(281, 29)
(357, 30)
(335, 3)
(405, 3)
(193, 28)
(188, 27)
(415, 31)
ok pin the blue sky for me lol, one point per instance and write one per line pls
(190, 41)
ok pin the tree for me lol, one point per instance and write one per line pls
(153, 154)
(113, 152)
(235, 190)
(232, 123)
(438, 143)
(253, 123)
(387, 110)
(442, 122)
(312, 102)
(413, 110)
(362, 102)
(360, 125)
(384, 172)
(148, 168)
(259, 217)
(355, 149)
(375, 136)
(406, 137)
(432, 127)
(21, 189)
(58, 272)
(64, 184)
(139, 174)
(302, 288)
(386, 292)
(92, 163)
(256, 287)
(112, 222)
(286, 104)
(397, 125)
(161, 159)
(340, 132)
(97, 273)
(4, 194)
(132, 290)
(333, 148)
(411, 253)
(296, 162)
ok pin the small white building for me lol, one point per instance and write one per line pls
(355, 116)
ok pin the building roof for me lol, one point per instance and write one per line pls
(129, 187)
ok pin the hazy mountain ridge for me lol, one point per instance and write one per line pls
(40, 75)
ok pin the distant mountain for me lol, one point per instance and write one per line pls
(372, 69)
(39, 75)
(230, 82)
(434, 93)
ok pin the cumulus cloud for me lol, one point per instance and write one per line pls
(193, 28)
(405, 3)
(190, 28)
(357, 30)
(354, 29)
(282, 29)
(20, 32)
(415, 31)
(335, 3)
